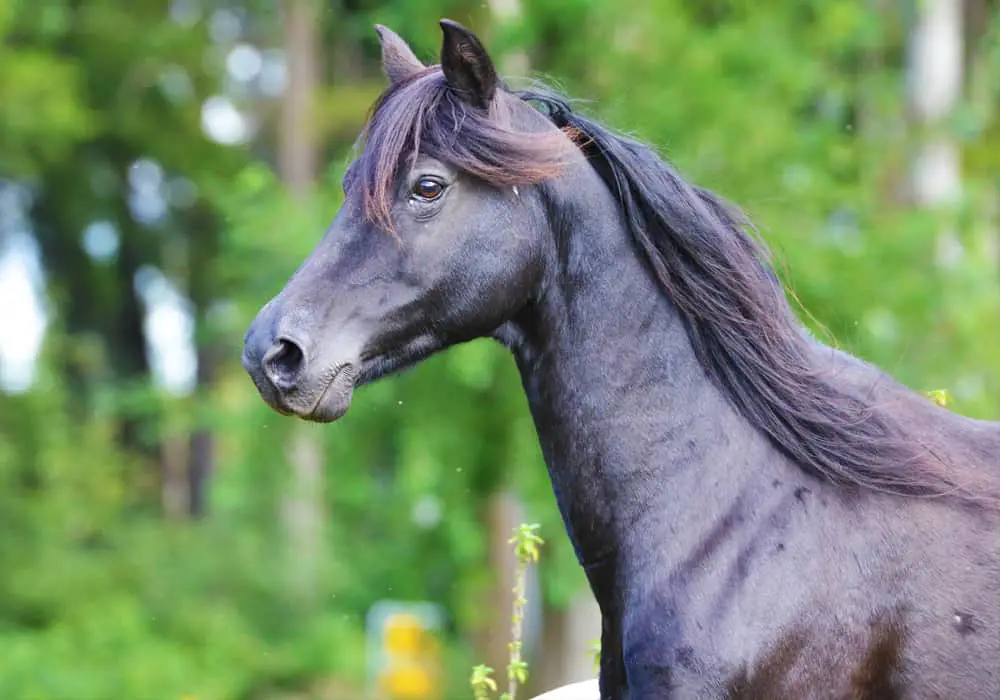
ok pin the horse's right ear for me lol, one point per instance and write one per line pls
(398, 59)
(466, 65)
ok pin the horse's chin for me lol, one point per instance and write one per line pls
(335, 399)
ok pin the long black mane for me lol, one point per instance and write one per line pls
(720, 279)
(717, 275)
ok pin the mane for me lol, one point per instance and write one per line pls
(716, 274)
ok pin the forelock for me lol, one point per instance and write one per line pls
(423, 114)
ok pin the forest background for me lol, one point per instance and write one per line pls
(166, 164)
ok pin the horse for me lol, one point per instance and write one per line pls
(758, 514)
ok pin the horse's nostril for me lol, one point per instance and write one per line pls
(283, 363)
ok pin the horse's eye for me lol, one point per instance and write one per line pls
(428, 189)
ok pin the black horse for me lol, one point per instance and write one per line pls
(759, 515)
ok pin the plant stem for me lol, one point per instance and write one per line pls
(514, 673)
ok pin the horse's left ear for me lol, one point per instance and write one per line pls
(466, 65)
(398, 60)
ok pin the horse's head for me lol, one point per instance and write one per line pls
(437, 241)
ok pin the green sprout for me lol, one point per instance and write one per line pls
(942, 397)
(595, 649)
(527, 547)
(482, 682)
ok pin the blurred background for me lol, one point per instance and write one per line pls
(166, 164)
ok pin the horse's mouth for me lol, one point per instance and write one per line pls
(335, 398)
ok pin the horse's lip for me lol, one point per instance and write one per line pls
(338, 370)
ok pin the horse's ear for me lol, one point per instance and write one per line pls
(466, 65)
(398, 59)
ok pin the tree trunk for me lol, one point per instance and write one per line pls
(173, 484)
(566, 652)
(298, 166)
(935, 84)
(503, 515)
(204, 250)
(980, 85)
(506, 12)
(297, 152)
(99, 307)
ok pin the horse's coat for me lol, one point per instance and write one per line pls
(759, 515)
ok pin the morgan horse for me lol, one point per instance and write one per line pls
(759, 515)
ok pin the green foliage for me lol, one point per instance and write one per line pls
(793, 109)
(42, 113)
(940, 396)
(481, 680)
(92, 609)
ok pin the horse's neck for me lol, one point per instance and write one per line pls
(638, 440)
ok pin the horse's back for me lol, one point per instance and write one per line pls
(923, 617)
(949, 615)
(892, 598)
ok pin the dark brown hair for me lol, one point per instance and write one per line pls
(422, 114)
